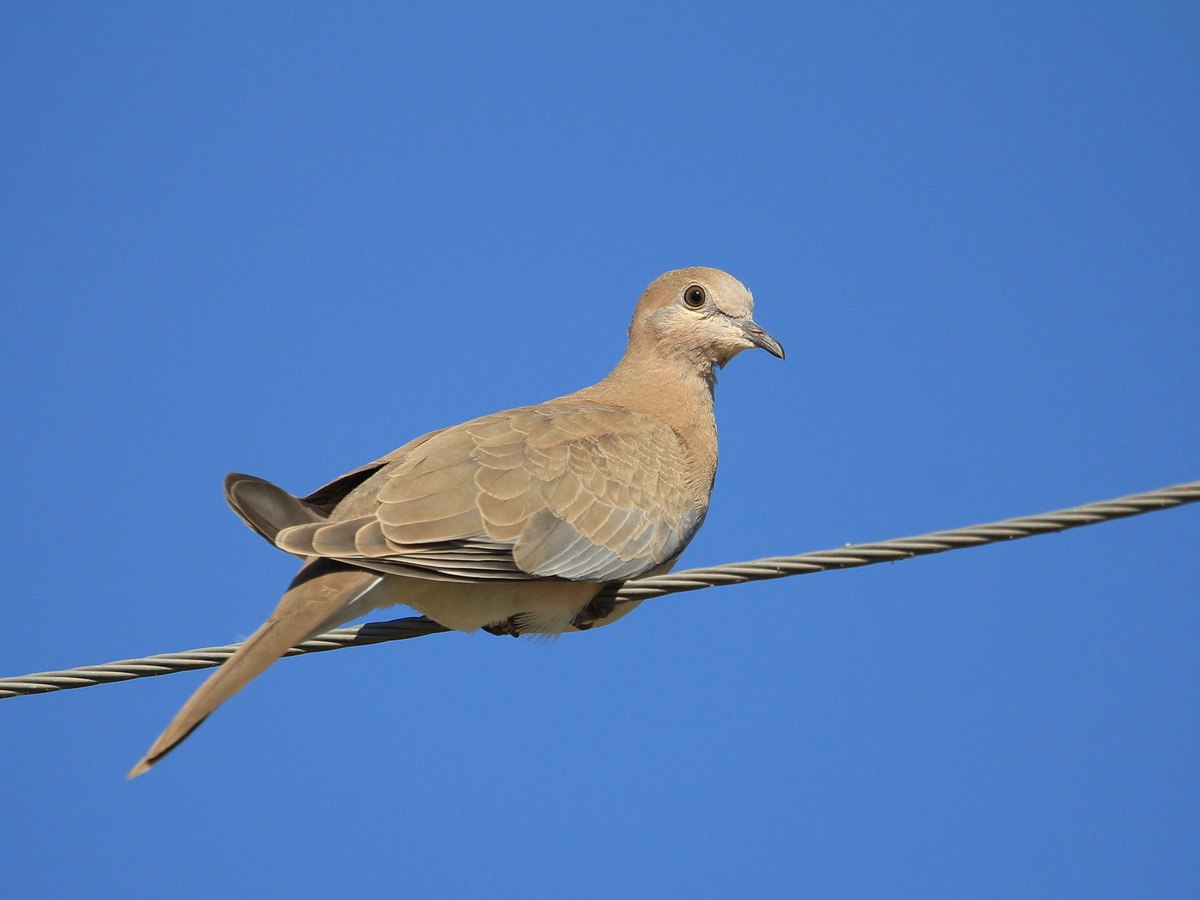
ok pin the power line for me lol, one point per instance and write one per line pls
(849, 556)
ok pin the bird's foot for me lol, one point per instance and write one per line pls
(601, 607)
(510, 627)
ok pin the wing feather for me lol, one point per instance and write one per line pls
(570, 490)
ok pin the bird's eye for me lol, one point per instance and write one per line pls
(694, 297)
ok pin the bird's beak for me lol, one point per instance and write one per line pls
(759, 338)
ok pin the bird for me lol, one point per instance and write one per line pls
(513, 522)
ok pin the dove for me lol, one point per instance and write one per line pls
(513, 522)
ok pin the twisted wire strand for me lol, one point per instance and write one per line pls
(209, 657)
(847, 557)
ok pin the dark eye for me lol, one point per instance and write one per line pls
(694, 297)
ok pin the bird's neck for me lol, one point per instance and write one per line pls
(680, 396)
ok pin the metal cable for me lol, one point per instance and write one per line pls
(846, 557)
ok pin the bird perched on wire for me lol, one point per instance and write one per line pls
(514, 522)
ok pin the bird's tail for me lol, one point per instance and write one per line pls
(265, 507)
(315, 601)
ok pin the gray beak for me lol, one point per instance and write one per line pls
(759, 338)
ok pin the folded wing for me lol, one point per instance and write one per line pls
(574, 491)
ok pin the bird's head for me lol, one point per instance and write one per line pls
(698, 314)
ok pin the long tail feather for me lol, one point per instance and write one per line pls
(318, 594)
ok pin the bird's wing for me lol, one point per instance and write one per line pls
(568, 490)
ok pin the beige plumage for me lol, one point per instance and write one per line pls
(515, 521)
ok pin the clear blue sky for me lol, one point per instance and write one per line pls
(286, 238)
